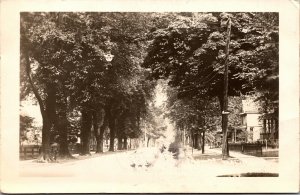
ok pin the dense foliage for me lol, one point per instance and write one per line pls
(64, 57)
(94, 72)
(189, 51)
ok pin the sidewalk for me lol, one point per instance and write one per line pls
(78, 157)
(65, 167)
(237, 163)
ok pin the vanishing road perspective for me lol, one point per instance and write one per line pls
(140, 98)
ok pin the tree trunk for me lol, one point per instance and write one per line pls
(125, 143)
(120, 125)
(120, 144)
(196, 141)
(44, 109)
(61, 126)
(48, 122)
(45, 152)
(191, 139)
(200, 141)
(112, 124)
(100, 137)
(63, 137)
(192, 144)
(86, 125)
(203, 141)
(99, 147)
(148, 139)
(99, 125)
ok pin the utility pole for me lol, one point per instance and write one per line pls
(225, 149)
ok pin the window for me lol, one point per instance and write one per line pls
(244, 120)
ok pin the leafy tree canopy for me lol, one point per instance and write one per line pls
(190, 52)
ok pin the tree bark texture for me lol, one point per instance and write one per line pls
(112, 126)
(44, 109)
(125, 143)
(200, 141)
(45, 152)
(148, 139)
(203, 142)
(120, 143)
(192, 139)
(49, 119)
(99, 125)
(121, 129)
(196, 141)
(86, 125)
(63, 136)
(100, 137)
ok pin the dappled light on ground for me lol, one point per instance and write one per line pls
(152, 164)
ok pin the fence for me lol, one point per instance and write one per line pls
(272, 143)
(247, 148)
(29, 152)
(33, 151)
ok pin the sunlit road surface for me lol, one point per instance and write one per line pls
(150, 164)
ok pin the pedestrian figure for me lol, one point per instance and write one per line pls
(162, 149)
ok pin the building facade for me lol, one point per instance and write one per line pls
(258, 126)
(251, 120)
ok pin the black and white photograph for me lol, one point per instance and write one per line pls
(153, 101)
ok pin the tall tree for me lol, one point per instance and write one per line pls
(190, 52)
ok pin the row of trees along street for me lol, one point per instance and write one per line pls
(99, 70)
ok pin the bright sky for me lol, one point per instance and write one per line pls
(29, 109)
(160, 98)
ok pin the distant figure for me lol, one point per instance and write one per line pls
(133, 165)
(162, 149)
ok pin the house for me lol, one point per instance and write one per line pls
(252, 124)
(258, 126)
(251, 121)
(271, 126)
